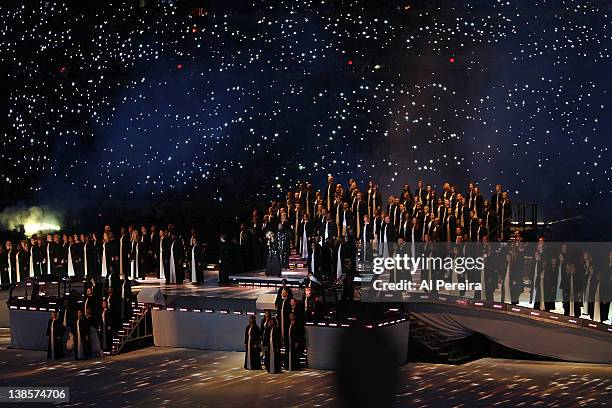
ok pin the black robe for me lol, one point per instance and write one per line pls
(282, 317)
(83, 325)
(294, 346)
(309, 305)
(125, 292)
(314, 261)
(123, 254)
(252, 348)
(332, 229)
(36, 253)
(226, 261)
(106, 328)
(178, 253)
(196, 260)
(4, 275)
(164, 247)
(58, 332)
(89, 250)
(76, 253)
(12, 264)
(272, 344)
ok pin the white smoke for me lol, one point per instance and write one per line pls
(33, 219)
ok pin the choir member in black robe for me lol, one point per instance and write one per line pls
(55, 348)
(283, 308)
(106, 255)
(196, 261)
(58, 262)
(478, 202)
(366, 237)
(35, 257)
(314, 258)
(572, 286)
(22, 260)
(106, 327)
(113, 299)
(505, 217)
(272, 345)
(245, 236)
(328, 229)
(122, 246)
(327, 260)
(591, 284)
(305, 232)
(76, 253)
(393, 211)
(177, 273)
(359, 209)
(92, 300)
(512, 280)
(405, 227)
(11, 258)
(406, 195)
(136, 256)
(62, 266)
(294, 343)
(82, 337)
(387, 239)
(163, 255)
(309, 302)
(264, 321)
(88, 255)
(47, 255)
(252, 342)
(5, 279)
(542, 285)
(125, 294)
(496, 199)
(279, 293)
(295, 308)
(420, 194)
(66, 314)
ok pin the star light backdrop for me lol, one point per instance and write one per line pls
(208, 100)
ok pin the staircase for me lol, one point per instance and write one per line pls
(135, 333)
(443, 349)
(296, 263)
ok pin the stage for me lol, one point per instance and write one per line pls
(212, 317)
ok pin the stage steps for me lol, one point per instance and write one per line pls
(135, 333)
(444, 349)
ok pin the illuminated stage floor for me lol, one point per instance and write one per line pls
(210, 289)
(183, 377)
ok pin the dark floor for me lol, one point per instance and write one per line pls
(157, 377)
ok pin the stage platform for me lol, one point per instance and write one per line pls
(294, 277)
(213, 317)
